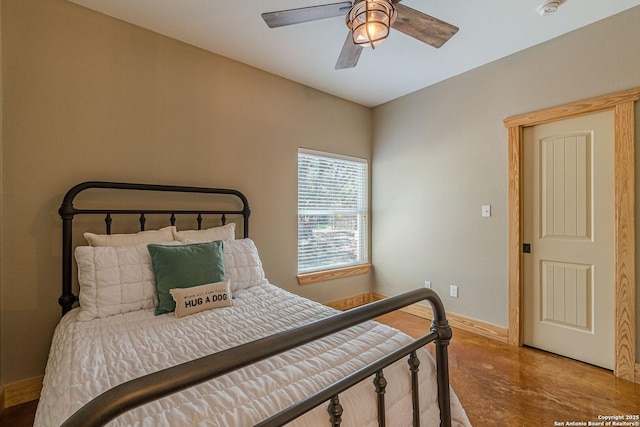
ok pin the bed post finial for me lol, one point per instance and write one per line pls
(335, 411)
(380, 382)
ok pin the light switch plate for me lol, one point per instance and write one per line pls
(486, 211)
(453, 291)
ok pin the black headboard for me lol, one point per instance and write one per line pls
(67, 212)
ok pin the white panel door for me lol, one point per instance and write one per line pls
(568, 221)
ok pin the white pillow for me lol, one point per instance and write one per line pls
(226, 232)
(242, 265)
(199, 298)
(152, 236)
(115, 280)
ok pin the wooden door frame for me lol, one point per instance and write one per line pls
(623, 105)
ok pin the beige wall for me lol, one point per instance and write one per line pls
(89, 97)
(446, 148)
(85, 97)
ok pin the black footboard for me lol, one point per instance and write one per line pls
(139, 391)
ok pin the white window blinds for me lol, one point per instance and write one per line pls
(332, 211)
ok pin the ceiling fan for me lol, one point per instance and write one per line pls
(411, 22)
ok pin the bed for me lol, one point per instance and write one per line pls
(258, 355)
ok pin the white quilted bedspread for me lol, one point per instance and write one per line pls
(87, 358)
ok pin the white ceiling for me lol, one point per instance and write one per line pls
(307, 53)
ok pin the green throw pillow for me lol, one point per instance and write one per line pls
(183, 267)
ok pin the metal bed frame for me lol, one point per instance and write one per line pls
(147, 388)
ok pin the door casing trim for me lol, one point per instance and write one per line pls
(623, 105)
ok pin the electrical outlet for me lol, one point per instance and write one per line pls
(453, 291)
(427, 284)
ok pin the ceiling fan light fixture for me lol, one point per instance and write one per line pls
(370, 20)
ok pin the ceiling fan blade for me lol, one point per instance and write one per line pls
(305, 14)
(423, 27)
(349, 55)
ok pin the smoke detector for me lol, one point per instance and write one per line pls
(548, 8)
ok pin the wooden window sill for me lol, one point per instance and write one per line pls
(321, 276)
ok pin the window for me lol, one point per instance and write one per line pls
(332, 211)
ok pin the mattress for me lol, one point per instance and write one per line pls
(90, 357)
